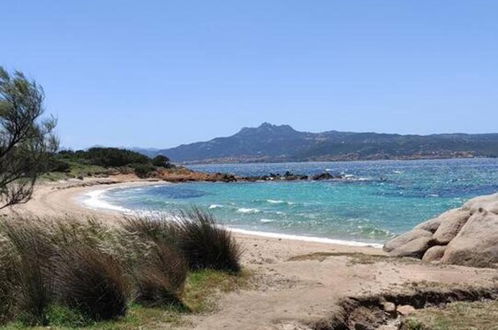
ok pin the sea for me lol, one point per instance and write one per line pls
(375, 201)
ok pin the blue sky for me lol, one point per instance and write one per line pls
(161, 73)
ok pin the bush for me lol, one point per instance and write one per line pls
(65, 271)
(113, 157)
(143, 170)
(195, 233)
(91, 282)
(58, 165)
(204, 244)
(29, 262)
(160, 276)
(45, 262)
(161, 161)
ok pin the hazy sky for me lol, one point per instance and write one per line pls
(160, 73)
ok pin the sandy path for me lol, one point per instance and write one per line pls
(286, 293)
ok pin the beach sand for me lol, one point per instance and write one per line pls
(295, 283)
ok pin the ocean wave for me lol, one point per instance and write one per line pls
(215, 206)
(93, 200)
(266, 220)
(248, 210)
(275, 201)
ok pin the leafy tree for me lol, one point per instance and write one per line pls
(161, 161)
(26, 140)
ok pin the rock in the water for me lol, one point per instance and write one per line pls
(414, 248)
(451, 223)
(434, 254)
(477, 242)
(323, 176)
(405, 239)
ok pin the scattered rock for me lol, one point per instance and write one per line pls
(389, 307)
(405, 310)
(323, 176)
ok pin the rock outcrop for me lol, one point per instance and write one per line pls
(465, 236)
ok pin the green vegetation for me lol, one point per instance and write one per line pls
(103, 162)
(195, 234)
(68, 273)
(455, 316)
(26, 140)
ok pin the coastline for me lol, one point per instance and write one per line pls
(294, 282)
(90, 199)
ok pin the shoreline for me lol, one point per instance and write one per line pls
(94, 203)
(292, 282)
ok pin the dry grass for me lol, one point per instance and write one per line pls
(456, 316)
(92, 282)
(195, 233)
(70, 271)
(204, 244)
(160, 276)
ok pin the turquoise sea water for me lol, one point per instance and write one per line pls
(379, 199)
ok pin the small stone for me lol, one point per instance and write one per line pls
(405, 310)
(389, 307)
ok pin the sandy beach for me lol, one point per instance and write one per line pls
(295, 284)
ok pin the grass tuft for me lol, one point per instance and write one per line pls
(91, 282)
(206, 245)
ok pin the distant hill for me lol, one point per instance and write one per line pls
(278, 143)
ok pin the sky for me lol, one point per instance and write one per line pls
(159, 73)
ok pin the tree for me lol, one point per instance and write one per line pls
(26, 140)
(161, 161)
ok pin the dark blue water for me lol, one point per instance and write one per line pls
(378, 200)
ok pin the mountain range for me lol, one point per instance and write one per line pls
(282, 143)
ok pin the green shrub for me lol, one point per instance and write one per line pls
(58, 165)
(63, 316)
(161, 161)
(143, 170)
(113, 157)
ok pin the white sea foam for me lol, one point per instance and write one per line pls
(93, 200)
(266, 220)
(215, 206)
(247, 210)
(304, 238)
(275, 201)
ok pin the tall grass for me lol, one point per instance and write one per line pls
(195, 233)
(160, 276)
(204, 244)
(46, 262)
(81, 267)
(29, 266)
(91, 282)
